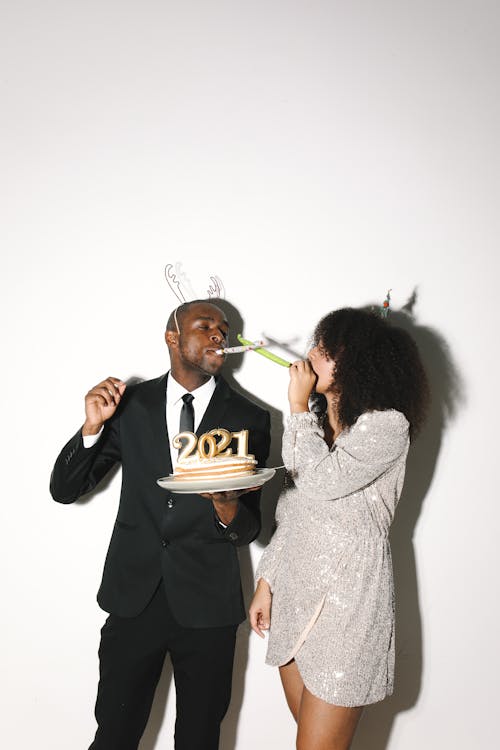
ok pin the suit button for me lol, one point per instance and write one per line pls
(170, 502)
(165, 542)
(233, 536)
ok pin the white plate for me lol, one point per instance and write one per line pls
(216, 485)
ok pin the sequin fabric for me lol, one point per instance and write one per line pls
(331, 545)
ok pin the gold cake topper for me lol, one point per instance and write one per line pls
(207, 446)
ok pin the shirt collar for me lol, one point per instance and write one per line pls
(175, 391)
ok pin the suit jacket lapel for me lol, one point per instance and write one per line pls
(216, 408)
(155, 402)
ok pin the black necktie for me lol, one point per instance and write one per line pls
(186, 423)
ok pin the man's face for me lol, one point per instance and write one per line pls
(203, 330)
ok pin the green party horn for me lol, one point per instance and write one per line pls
(264, 352)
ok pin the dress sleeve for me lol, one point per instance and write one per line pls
(271, 557)
(360, 455)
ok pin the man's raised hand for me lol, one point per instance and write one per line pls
(101, 403)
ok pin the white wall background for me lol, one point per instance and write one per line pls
(311, 155)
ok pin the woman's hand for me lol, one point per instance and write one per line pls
(260, 608)
(302, 381)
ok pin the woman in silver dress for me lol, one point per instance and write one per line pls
(327, 574)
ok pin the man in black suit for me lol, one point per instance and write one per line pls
(171, 580)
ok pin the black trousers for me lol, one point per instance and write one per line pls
(131, 655)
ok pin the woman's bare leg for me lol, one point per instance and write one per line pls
(323, 726)
(293, 687)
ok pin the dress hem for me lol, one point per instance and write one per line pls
(342, 704)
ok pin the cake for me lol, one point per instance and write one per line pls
(206, 458)
(217, 467)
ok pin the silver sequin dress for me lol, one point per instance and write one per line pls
(329, 561)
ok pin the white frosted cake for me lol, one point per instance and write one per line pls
(217, 467)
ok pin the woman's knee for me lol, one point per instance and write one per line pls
(323, 726)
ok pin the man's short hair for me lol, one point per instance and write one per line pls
(174, 322)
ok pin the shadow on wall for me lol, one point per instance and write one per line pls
(447, 394)
(270, 492)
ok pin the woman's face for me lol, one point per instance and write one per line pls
(323, 366)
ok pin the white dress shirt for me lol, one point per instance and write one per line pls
(175, 392)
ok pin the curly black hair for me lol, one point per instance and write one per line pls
(377, 366)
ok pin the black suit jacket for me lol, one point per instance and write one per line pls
(158, 534)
